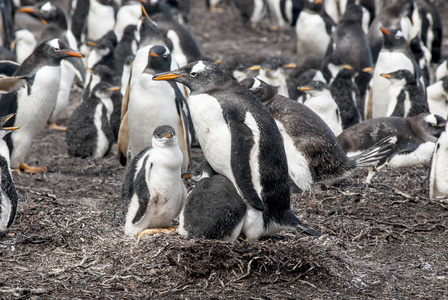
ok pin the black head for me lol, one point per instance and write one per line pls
(154, 7)
(393, 39)
(159, 60)
(53, 51)
(104, 90)
(6, 129)
(201, 171)
(104, 45)
(259, 88)
(432, 124)
(164, 135)
(47, 13)
(130, 30)
(313, 87)
(352, 13)
(401, 75)
(199, 75)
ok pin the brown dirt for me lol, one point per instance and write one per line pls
(385, 240)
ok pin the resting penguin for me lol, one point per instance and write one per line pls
(89, 132)
(438, 176)
(8, 195)
(406, 98)
(313, 152)
(153, 192)
(34, 103)
(415, 138)
(240, 140)
(214, 209)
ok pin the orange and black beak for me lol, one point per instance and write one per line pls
(304, 88)
(166, 77)
(385, 31)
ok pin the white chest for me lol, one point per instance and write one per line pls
(100, 20)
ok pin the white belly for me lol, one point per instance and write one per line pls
(102, 143)
(100, 20)
(327, 109)
(439, 169)
(312, 37)
(420, 156)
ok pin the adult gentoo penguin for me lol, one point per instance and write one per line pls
(415, 138)
(8, 195)
(34, 103)
(153, 192)
(438, 176)
(213, 209)
(312, 150)
(241, 141)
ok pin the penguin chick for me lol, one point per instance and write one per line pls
(153, 192)
(415, 138)
(89, 132)
(8, 197)
(407, 99)
(213, 209)
(313, 152)
(322, 103)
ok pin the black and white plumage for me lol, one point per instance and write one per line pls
(34, 103)
(89, 132)
(8, 195)
(241, 141)
(25, 42)
(431, 31)
(312, 150)
(153, 192)
(407, 99)
(415, 138)
(438, 97)
(438, 176)
(252, 11)
(11, 84)
(100, 18)
(213, 209)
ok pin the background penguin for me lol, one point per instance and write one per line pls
(441, 70)
(127, 15)
(100, 18)
(126, 46)
(322, 103)
(438, 176)
(34, 103)
(102, 52)
(431, 31)
(213, 209)
(241, 141)
(25, 42)
(252, 11)
(423, 58)
(8, 196)
(438, 97)
(406, 98)
(89, 133)
(153, 192)
(415, 138)
(394, 55)
(301, 77)
(286, 12)
(313, 152)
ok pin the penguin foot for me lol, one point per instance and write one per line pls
(28, 169)
(54, 126)
(215, 9)
(150, 231)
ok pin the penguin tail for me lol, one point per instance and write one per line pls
(376, 154)
(302, 228)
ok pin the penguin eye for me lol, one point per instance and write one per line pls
(193, 74)
(165, 55)
(57, 50)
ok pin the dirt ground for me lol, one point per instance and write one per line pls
(384, 240)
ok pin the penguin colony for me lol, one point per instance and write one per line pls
(363, 99)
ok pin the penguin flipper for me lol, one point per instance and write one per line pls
(76, 64)
(11, 84)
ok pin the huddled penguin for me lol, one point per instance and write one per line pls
(34, 103)
(153, 191)
(438, 97)
(438, 176)
(89, 132)
(252, 11)
(321, 101)
(312, 150)
(240, 140)
(407, 99)
(415, 138)
(213, 209)
(8, 196)
(395, 55)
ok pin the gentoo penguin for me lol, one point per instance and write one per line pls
(347, 96)
(56, 27)
(438, 97)
(438, 176)
(390, 18)
(153, 192)
(78, 24)
(128, 14)
(100, 18)
(415, 138)
(213, 209)
(34, 103)
(423, 58)
(312, 150)
(321, 101)
(89, 132)
(441, 70)
(126, 46)
(154, 103)
(394, 55)
(368, 11)
(8, 195)
(349, 45)
(241, 141)
(272, 72)
(252, 11)
(24, 45)
(285, 12)
(406, 98)
(431, 31)
(313, 29)
(301, 77)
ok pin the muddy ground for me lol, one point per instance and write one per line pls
(384, 240)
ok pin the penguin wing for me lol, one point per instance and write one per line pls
(76, 64)
(183, 111)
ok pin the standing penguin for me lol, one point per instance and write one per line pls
(438, 176)
(153, 192)
(252, 11)
(394, 55)
(313, 152)
(406, 98)
(89, 132)
(214, 209)
(241, 141)
(285, 12)
(8, 195)
(34, 103)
